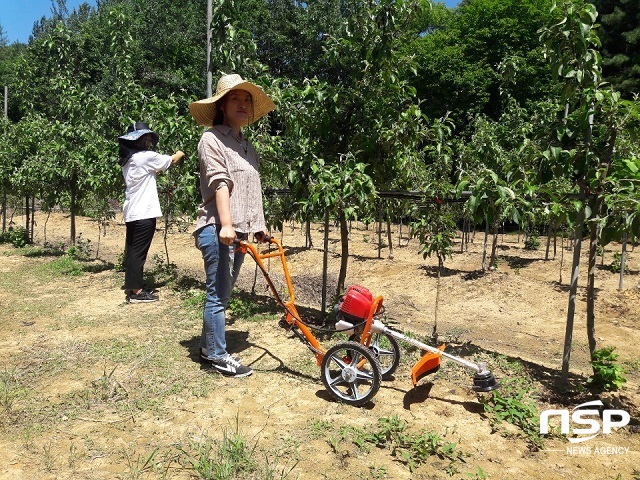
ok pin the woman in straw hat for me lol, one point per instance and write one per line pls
(231, 203)
(140, 164)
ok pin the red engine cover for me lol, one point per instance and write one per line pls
(357, 302)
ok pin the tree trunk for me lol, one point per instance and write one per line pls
(434, 333)
(166, 231)
(484, 247)
(325, 265)
(561, 257)
(389, 239)
(308, 242)
(344, 260)
(33, 217)
(379, 232)
(573, 290)
(494, 246)
(591, 277)
(45, 226)
(623, 259)
(546, 253)
(27, 221)
(74, 188)
(4, 212)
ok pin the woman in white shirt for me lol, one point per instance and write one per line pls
(140, 165)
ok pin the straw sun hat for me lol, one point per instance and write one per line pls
(203, 111)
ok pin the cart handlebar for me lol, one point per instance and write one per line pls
(264, 238)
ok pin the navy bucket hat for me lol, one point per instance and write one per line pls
(138, 129)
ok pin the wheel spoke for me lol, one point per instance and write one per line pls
(337, 381)
(354, 390)
(341, 363)
(364, 375)
(355, 357)
(382, 352)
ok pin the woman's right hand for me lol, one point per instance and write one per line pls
(176, 157)
(227, 235)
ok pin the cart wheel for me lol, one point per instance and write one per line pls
(351, 373)
(387, 351)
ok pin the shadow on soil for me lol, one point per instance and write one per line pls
(554, 390)
(237, 343)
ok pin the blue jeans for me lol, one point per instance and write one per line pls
(222, 266)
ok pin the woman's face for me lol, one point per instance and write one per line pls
(238, 108)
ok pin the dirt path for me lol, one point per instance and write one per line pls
(93, 388)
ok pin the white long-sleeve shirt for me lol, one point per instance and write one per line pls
(141, 197)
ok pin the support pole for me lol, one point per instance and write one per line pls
(209, 74)
(4, 193)
(325, 264)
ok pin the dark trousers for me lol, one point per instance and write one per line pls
(139, 236)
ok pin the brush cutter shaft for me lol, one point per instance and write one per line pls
(379, 327)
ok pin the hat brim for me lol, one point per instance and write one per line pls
(136, 134)
(203, 111)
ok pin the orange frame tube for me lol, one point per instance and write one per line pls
(292, 316)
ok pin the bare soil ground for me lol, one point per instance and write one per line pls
(94, 388)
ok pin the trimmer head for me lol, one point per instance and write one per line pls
(484, 381)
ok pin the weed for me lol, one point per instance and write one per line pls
(478, 475)
(194, 299)
(608, 375)
(532, 243)
(242, 308)
(412, 449)
(48, 457)
(81, 250)
(140, 465)
(119, 265)
(515, 367)
(616, 264)
(319, 428)
(377, 472)
(64, 266)
(334, 443)
(17, 236)
(162, 272)
(9, 391)
(74, 456)
(232, 458)
(512, 404)
(107, 388)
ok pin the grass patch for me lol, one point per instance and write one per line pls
(63, 266)
(231, 457)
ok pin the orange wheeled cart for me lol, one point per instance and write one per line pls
(353, 370)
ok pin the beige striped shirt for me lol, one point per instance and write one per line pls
(223, 157)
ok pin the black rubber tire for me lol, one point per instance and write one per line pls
(350, 384)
